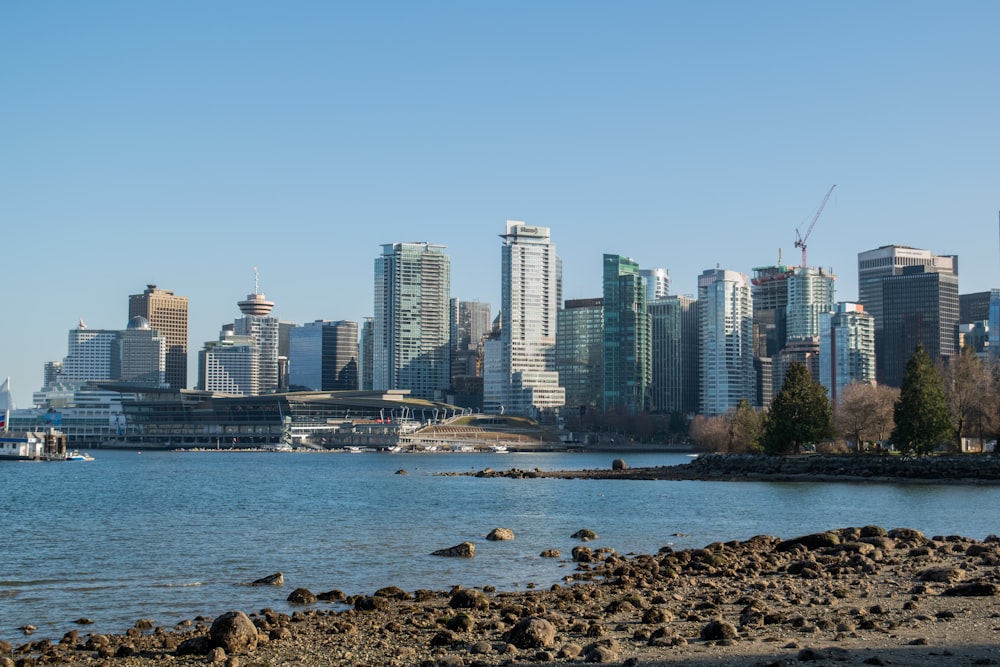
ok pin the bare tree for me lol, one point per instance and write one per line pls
(710, 434)
(864, 413)
(967, 386)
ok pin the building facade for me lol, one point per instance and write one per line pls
(627, 372)
(323, 356)
(412, 323)
(141, 353)
(674, 343)
(657, 283)
(522, 379)
(230, 366)
(725, 325)
(580, 353)
(168, 314)
(846, 348)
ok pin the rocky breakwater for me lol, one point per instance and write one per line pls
(852, 596)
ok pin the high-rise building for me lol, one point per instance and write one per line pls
(259, 324)
(366, 351)
(657, 283)
(627, 370)
(846, 348)
(580, 353)
(725, 315)
(141, 354)
(890, 260)
(522, 379)
(168, 314)
(89, 355)
(229, 365)
(674, 386)
(810, 295)
(324, 356)
(770, 308)
(470, 324)
(919, 308)
(412, 324)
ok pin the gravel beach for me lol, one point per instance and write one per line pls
(853, 596)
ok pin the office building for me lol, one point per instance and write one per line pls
(919, 308)
(770, 308)
(411, 324)
(846, 348)
(810, 295)
(657, 283)
(366, 347)
(323, 356)
(168, 314)
(229, 365)
(627, 370)
(89, 355)
(141, 354)
(674, 343)
(725, 315)
(580, 353)
(521, 377)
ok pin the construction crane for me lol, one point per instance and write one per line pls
(800, 241)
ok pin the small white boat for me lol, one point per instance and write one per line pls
(355, 450)
(499, 449)
(77, 456)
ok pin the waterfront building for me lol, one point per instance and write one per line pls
(141, 353)
(674, 344)
(324, 356)
(168, 314)
(726, 367)
(51, 372)
(522, 379)
(580, 353)
(230, 365)
(626, 333)
(657, 283)
(89, 354)
(846, 348)
(86, 413)
(411, 325)
(919, 308)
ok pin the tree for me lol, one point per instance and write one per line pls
(967, 385)
(923, 420)
(745, 429)
(798, 415)
(864, 413)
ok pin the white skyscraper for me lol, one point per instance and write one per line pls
(846, 348)
(657, 283)
(89, 354)
(412, 323)
(726, 335)
(229, 366)
(520, 368)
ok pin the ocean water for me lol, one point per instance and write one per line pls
(171, 535)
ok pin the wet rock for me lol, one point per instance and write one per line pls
(302, 596)
(584, 535)
(276, 579)
(83, 620)
(402, 471)
(551, 553)
(810, 542)
(370, 603)
(393, 592)
(469, 599)
(619, 464)
(332, 596)
(532, 632)
(144, 624)
(583, 554)
(500, 534)
(463, 550)
(233, 631)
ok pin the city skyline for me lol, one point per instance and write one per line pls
(183, 144)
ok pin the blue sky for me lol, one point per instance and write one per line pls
(183, 143)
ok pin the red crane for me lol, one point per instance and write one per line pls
(800, 241)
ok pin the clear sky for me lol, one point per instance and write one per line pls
(183, 143)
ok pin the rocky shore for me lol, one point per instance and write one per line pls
(853, 596)
(973, 469)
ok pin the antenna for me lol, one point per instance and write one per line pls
(256, 281)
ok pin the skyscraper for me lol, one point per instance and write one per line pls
(521, 377)
(674, 343)
(168, 314)
(411, 324)
(580, 353)
(258, 324)
(141, 353)
(725, 316)
(229, 365)
(657, 283)
(323, 356)
(846, 348)
(89, 355)
(890, 260)
(626, 336)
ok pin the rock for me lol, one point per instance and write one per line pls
(402, 471)
(83, 620)
(370, 603)
(233, 631)
(583, 554)
(814, 541)
(27, 629)
(463, 550)
(551, 553)
(717, 629)
(301, 596)
(973, 589)
(332, 596)
(469, 599)
(619, 464)
(144, 624)
(461, 622)
(942, 574)
(532, 632)
(217, 654)
(584, 534)
(194, 646)
(276, 579)
(393, 592)
(500, 534)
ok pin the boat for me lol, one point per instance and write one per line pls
(354, 450)
(499, 449)
(78, 456)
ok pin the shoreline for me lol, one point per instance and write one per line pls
(851, 596)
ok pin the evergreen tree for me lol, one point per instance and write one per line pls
(801, 413)
(922, 418)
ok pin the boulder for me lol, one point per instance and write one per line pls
(469, 598)
(532, 632)
(332, 596)
(301, 596)
(276, 579)
(233, 631)
(584, 534)
(810, 542)
(463, 550)
(619, 464)
(500, 534)
(974, 589)
(717, 629)
(551, 553)
(583, 554)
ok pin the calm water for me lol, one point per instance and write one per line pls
(169, 536)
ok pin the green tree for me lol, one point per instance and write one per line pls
(745, 428)
(799, 414)
(922, 418)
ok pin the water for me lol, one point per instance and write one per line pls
(170, 536)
